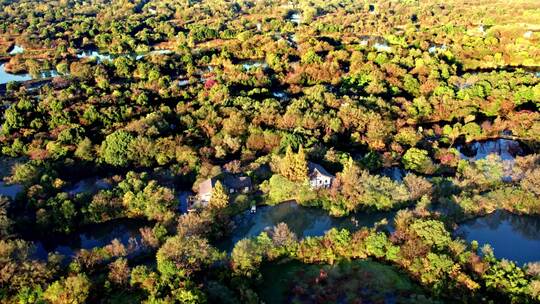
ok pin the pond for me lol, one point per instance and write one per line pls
(95, 235)
(103, 56)
(88, 185)
(295, 18)
(183, 200)
(506, 149)
(7, 190)
(303, 221)
(382, 47)
(345, 282)
(10, 191)
(436, 47)
(512, 237)
(253, 64)
(6, 77)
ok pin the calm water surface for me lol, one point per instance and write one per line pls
(512, 237)
(6, 77)
(96, 235)
(302, 221)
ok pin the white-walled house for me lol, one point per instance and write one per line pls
(319, 177)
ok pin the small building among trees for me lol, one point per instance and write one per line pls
(232, 183)
(319, 177)
(296, 168)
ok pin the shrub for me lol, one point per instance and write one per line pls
(418, 160)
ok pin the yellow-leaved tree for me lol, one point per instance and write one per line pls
(294, 165)
(219, 198)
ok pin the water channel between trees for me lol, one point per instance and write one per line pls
(511, 236)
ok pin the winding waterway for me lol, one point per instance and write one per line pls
(6, 77)
(126, 231)
(511, 236)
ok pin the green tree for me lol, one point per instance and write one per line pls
(144, 197)
(13, 120)
(5, 221)
(85, 149)
(114, 149)
(311, 57)
(246, 257)
(62, 68)
(19, 270)
(418, 160)
(182, 256)
(71, 290)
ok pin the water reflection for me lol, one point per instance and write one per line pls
(6, 77)
(183, 82)
(434, 48)
(97, 235)
(281, 95)
(513, 237)
(253, 64)
(95, 54)
(296, 18)
(506, 149)
(382, 47)
(183, 199)
(102, 56)
(10, 191)
(394, 173)
(302, 221)
(88, 185)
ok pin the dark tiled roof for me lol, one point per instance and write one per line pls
(236, 182)
(229, 181)
(313, 168)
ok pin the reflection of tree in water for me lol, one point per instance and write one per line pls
(94, 236)
(303, 221)
(299, 219)
(504, 148)
(526, 226)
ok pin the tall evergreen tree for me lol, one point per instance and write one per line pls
(294, 165)
(287, 164)
(300, 166)
(220, 198)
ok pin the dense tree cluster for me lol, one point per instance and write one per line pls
(150, 98)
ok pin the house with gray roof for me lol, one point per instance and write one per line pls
(319, 177)
(232, 183)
